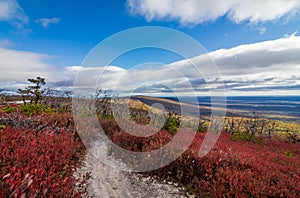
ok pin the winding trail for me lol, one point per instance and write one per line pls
(107, 182)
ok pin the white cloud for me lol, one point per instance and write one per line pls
(259, 57)
(291, 35)
(266, 67)
(12, 12)
(200, 11)
(104, 76)
(269, 67)
(20, 65)
(46, 22)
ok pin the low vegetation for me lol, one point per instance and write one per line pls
(233, 168)
(40, 150)
(238, 169)
(251, 128)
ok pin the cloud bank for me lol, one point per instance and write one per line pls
(17, 66)
(199, 11)
(264, 68)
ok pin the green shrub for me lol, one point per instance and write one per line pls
(2, 127)
(201, 129)
(288, 154)
(260, 140)
(172, 125)
(31, 109)
(8, 109)
(243, 136)
(107, 117)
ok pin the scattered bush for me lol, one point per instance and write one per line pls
(172, 123)
(8, 109)
(2, 127)
(243, 136)
(288, 154)
(202, 129)
(32, 109)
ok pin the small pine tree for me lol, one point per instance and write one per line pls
(35, 91)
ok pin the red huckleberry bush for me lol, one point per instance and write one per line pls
(38, 163)
(231, 169)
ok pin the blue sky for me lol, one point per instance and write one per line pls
(55, 36)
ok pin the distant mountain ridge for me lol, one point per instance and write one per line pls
(285, 108)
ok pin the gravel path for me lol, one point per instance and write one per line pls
(107, 182)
